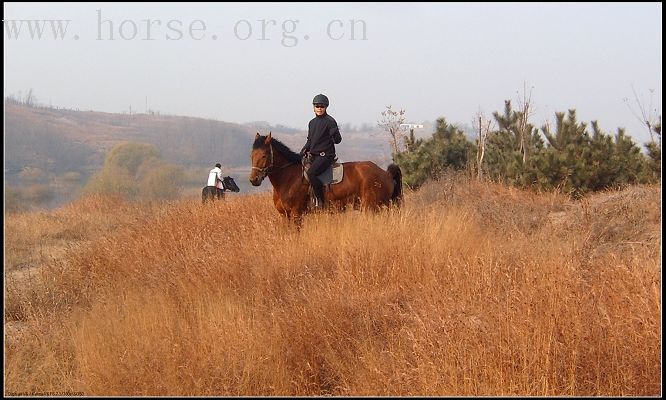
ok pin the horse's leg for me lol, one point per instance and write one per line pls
(297, 219)
(298, 222)
(367, 197)
(372, 196)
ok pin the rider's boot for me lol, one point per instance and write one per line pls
(320, 201)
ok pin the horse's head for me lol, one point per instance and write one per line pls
(230, 184)
(261, 158)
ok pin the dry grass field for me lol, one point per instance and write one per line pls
(471, 289)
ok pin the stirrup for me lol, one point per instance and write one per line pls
(317, 204)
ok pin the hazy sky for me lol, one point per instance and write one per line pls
(251, 62)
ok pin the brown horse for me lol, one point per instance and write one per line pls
(365, 185)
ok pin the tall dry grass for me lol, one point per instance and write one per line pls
(470, 289)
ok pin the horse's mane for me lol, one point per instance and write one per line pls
(279, 146)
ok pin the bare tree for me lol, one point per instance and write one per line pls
(648, 116)
(526, 112)
(29, 98)
(483, 126)
(390, 122)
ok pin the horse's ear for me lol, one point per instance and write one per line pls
(268, 138)
(257, 137)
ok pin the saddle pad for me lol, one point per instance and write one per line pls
(332, 175)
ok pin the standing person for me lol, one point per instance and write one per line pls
(323, 135)
(215, 179)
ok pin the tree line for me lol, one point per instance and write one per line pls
(571, 156)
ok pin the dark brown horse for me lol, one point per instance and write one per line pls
(213, 193)
(365, 185)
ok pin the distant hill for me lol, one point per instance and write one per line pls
(60, 140)
(44, 144)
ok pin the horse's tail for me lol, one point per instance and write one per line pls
(396, 174)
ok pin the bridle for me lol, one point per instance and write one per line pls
(269, 168)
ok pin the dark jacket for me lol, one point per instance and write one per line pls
(323, 135)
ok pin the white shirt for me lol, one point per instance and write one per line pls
(215, 173)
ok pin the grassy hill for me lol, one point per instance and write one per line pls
(471, 289)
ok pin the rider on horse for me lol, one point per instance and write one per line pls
(215, 179)
(323, 135)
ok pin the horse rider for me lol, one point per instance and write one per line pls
(215, 179)
(323, 135)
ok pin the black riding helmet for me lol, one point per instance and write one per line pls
(320, 99)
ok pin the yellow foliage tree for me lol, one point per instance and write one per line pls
(135, 171)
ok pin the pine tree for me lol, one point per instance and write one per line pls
(411, 142)
(567, 154)
(514, 150)
(577, 162)
(448, 148)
